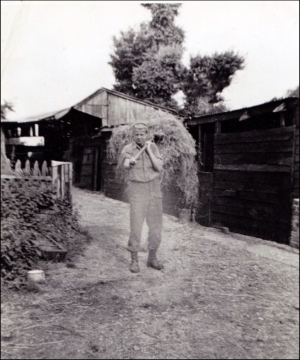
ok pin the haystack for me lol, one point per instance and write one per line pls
(176, 146)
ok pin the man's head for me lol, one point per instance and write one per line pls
(140, 133)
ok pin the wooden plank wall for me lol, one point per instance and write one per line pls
(171, 197)
(87, 169)
(203, 213)
(296, 168)
(113, 186)
(116, 110)
(96, 106)
(296, 159)
(252, 182)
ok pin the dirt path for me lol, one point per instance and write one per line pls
(220, 296)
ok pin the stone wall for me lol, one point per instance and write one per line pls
(294, 239)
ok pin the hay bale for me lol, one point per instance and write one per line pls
(176, 146)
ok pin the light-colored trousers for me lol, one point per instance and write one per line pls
(145, 200)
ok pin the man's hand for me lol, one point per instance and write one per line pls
(148, 144)
(132, 161)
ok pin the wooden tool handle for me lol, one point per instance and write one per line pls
(140, 152)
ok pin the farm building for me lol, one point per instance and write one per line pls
(94, 170)
(249, 168)
(46, 137)
(80, 134)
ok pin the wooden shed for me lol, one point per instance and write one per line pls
(47, 137)
(96, 171)
(116, 108)
(249, 168)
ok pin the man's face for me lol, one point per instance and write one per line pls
(140, 136)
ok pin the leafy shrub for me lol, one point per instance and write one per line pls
(22, 226)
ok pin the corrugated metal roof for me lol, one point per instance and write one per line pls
(45, 116)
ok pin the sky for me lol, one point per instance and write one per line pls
(56, 53)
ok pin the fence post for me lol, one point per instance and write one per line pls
(36, 170)
(44, 168)
(27, 167)
(18, 169)
(62, 177)
(70, 180)
(54, 176)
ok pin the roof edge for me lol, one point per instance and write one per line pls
(236, 111)
(125, 96)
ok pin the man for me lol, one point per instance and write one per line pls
(142, 159)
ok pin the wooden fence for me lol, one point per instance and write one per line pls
(62, 178)
(60, 172)
(36, 170)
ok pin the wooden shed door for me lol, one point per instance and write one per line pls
(88, 175)
(252, 182)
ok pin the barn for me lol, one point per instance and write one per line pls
(249, 168)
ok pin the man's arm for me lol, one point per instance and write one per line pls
(125, 156)
(128, 163)
(156, 162)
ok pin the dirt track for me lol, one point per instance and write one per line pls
(220, 296)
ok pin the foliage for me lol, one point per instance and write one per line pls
(158, 77)
(206, 79)
(6, 107)
(147, 64)
(176, 146)
(293, 93)
(22, 227)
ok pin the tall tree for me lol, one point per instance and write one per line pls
(205, 80)
(147, 64)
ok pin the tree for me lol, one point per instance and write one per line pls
(147, 64)
(206, 79)
(158, 77)
(4, 108)
(293, 93)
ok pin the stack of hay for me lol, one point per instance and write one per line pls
(176, 146)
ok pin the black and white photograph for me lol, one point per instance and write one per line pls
(149, 179)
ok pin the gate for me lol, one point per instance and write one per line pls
(252, 183)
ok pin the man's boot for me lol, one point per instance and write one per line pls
(153, 262)
(134, 266)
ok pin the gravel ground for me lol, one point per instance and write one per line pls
(220, 296)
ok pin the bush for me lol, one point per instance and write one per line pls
(23, 228)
